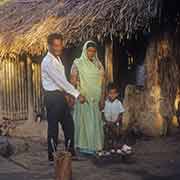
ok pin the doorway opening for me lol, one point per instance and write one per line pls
(128, 58)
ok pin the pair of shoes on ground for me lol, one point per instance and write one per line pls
(126, 149)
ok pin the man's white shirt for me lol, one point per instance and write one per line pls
(112, 110)
(53, 76)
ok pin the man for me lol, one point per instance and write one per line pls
(55, 85)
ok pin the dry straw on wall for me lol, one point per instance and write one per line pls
(153, 108)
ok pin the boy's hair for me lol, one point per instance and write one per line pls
(111, 86)
(54, 36)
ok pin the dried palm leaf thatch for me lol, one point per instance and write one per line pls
(101, 18)
(79, 20)
(35, 40)
(19, 17)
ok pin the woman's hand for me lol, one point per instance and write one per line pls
(82, 99)
(101, 104)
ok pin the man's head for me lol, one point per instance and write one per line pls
(55, 44)
(112, 91)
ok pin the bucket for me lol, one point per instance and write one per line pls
(63, 165)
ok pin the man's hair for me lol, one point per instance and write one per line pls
(54, 36)
(111, 86)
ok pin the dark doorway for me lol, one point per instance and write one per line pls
(127, 55)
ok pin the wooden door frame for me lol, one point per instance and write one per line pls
(109, 60)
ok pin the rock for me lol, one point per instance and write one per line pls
(6, 127)
(6, 149)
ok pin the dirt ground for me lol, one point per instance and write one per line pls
(154, 159)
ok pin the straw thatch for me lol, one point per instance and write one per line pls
(102, 18)
(19, 18)
(24, 25)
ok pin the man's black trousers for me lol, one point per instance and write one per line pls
(59, 111)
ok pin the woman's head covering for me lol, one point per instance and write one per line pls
(92, 44)
(90, 73)
(84, 57)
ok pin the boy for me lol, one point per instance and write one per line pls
(113, 111)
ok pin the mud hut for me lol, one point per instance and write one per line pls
(129, 33)
(134, 33)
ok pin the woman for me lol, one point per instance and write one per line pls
(87, 75)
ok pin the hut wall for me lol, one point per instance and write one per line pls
(38, 101)
(14, 89)
(152, 109)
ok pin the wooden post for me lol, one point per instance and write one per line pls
(109, 60)
(29, 90)
(1, 86)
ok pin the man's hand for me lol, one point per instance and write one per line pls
(70, 100)
(82, 99)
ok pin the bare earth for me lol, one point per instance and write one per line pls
(155, 159)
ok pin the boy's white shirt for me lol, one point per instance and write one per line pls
(112, 110)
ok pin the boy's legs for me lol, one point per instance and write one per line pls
(106, 137)
(109, 135)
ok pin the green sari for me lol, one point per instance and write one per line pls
(87, 117)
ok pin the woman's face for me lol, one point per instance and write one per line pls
(91, 52)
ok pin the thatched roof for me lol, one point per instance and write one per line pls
(102, 18)
(25, 24)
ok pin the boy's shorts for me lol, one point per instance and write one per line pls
(112, 130)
